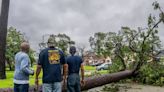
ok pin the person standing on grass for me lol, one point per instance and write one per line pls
(74, 64)
(50, 60)
(22, 69)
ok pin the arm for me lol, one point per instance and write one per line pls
(38, 69)
(25, 66)
(64, 63)
(82, 71)
(65, 71)
(82, 74)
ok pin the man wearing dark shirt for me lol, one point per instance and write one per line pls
(74, 64)
(50, 60)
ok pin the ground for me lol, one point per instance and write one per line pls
(131, 88)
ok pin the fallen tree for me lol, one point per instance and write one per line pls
(92, 82)
(106, 79)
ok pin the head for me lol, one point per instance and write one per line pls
(51, 42)
(25, 47)
(72, 50)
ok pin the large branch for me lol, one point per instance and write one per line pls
(130, 44)
(151, 29)
(122, 60)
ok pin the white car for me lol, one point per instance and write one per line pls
(103, 66)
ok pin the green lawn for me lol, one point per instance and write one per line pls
(89, 68)
(9, 81)
(93, 69)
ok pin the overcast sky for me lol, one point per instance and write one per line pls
(79, 19)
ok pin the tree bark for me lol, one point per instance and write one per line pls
(3, 33)
(106, 79)
(11, 68)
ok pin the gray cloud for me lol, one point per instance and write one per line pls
(79, 19)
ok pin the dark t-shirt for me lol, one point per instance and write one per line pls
(74, 63)
(51, 60)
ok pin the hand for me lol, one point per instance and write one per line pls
(33, 73)
(82, 82)
(37, 83)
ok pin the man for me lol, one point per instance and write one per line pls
(22, 70)
(74, 64)
(50, 60)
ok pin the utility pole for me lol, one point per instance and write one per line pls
(3, 33)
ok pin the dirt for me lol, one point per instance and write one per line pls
(131, 88)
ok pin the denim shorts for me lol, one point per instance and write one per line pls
(52, 87)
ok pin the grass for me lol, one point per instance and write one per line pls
(89, 68)
(8, 82)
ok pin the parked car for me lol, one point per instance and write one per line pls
(96, 64)
(103, 66)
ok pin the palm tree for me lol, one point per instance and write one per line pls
(3, 33)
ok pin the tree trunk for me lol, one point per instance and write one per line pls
(3, 33)
(106, 79)
(10, 65)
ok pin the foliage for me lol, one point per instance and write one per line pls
(14, 39)
(61, 41)
(134, 48)
(152, 74)
(98, 42)
(112, 88)
(115, 67)
(131, 45)
(81, 50)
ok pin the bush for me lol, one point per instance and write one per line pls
(116, 66)
(152, 74)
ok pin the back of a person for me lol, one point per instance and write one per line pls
(74, 63)
(51, 64)
(18, 74)
(22, 69)
(50, 60)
